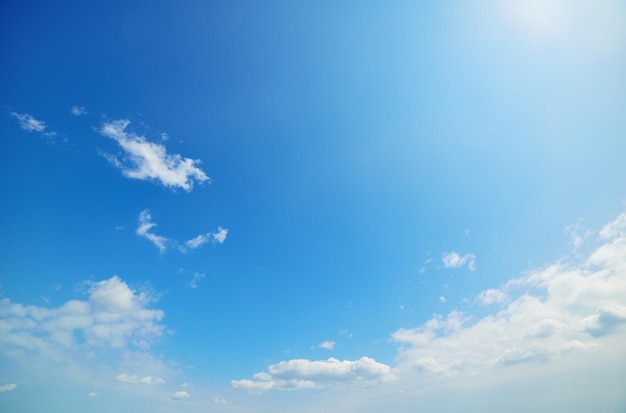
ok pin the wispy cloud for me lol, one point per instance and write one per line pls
(145, 160)
(78, 111)
(8, 387)
(145, 225)
(454, 260)
(161, 242)
(30, 124)
(125, 378)
(92, 394)
(217, 237)
(306, 374)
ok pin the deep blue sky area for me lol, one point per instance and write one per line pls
(251, 207)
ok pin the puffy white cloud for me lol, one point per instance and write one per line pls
(145, 225)
(145, 160)
(78, 111)
(560, 311)
(125, 378)
(180, 395)
(454, 260)
(306, 374)
(113, 316)
(442, 299)
(220, 235)
(8, 387)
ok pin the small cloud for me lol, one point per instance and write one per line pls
(217, 400)
(327, 345)
(125, 378)
(78, 111)
(454, 260)
(216, 237)
(346, 334)
(28, 123)
(164, 136)
(196, 277)
(442, 299)
(145, 160)
(220, 235)
(184, 385)
(92, 394)
(145, 225)
(492, 296)
(180, 395)
(7, 387)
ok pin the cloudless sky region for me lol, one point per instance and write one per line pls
(325, 206)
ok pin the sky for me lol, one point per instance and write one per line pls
(241, 207)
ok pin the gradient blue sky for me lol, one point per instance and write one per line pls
(356, 206)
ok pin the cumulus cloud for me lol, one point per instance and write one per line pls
(30, 124)
(78, 111)
(561, 310)
(8, 387)
(454, 260)
(180, 395)
(145, 160)
(306, 374)
(113, 317)
(442, 299)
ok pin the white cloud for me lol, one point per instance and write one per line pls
(30, 124)
(78, 111)
(346, 334)
(113, 316)
(145, 225)
(217, 237)
(327, 345)
(454, 260)
(220, 235)
(125, 378)
(180, 395)
(558, 312)
(92, 394)
(492, 296)
(161, 242)
(196, 277)
(145, 160)
(7, 387)
(442, 299)
(306, 374)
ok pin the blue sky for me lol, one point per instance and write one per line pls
(355, 207)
